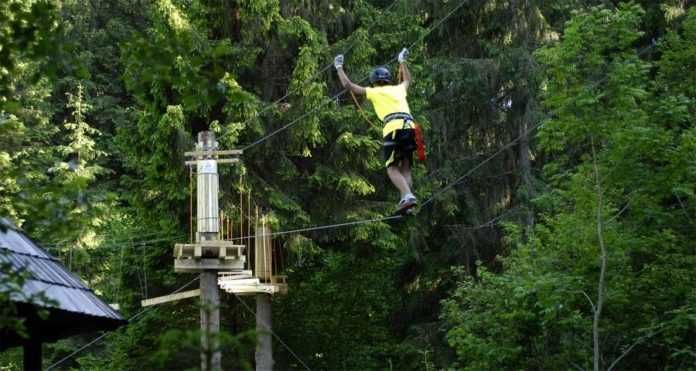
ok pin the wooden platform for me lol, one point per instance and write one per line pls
(244, 283)
(200, 265)
(209, 249)
(209, 255)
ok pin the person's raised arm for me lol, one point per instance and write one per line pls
(405, 73)
(345, 81)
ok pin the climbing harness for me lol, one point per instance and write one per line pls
(407, 119)
(418, 131)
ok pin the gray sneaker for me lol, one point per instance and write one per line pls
(405, 205)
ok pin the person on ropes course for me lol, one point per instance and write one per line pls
(389, 102)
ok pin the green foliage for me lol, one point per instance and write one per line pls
(615, 140)
(91, 162)
(25, 32)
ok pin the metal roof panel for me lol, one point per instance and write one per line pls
(48, 275)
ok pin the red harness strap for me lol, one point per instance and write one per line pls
(420, 139)
(420, 142)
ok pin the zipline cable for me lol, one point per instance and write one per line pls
(312, 77)
(95, 340)
(333, 98)
(425, 203)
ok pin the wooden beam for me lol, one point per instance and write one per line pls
(213, 153)
(239, 282)
(220, 161)
(252, 289)
(172, 297)
(199, 265)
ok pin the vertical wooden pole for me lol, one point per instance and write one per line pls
(264, 324)
(264, 347)
(208, 229)
(241, 212)
(32, 355)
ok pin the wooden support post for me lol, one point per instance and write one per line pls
(262, 252)
(264, 344)
(211, 357)
(208, 229)
(32, 355)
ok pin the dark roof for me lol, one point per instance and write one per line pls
(74, 307)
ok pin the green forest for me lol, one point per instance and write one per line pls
(557, 201)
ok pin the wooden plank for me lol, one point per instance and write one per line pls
(242, 274)
(255, 289)
(235, 277)
(240, 282)
(209, 153)
(252, 289)
(172, 297)
(220, 161)
(208, 250)
(214, 243)
(198, 265)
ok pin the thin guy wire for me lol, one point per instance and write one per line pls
(111, 246)
(273, 333)
(59, 243)
(143, 311)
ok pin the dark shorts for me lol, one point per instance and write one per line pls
(399, 145)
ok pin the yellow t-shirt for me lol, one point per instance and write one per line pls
(389, 99)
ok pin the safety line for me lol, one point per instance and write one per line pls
(268, 327)
(95, 340)
(293, 122)
(425, 203)
(480, 164)
(104, 236)
(437, 24)
(312, 77)
(284, 127)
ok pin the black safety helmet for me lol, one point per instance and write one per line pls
(380, 75)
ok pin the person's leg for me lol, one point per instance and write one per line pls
(405, 169)
(398, 180)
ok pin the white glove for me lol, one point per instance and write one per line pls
(403, 55)
(338, 61)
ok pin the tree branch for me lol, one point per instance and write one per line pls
(589, 300)
(603, 263)
(630, 348)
